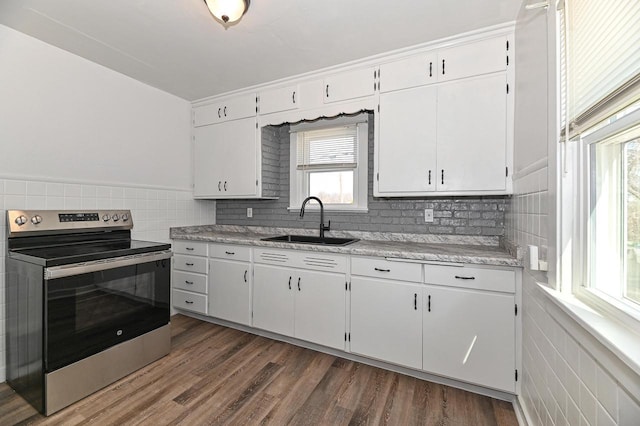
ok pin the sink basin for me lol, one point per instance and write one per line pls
(308, 239)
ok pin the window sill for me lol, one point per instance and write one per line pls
(620, 340)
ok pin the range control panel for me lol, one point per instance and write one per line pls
(25, 222)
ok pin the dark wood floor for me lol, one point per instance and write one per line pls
(217, 375)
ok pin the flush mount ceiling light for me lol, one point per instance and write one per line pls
(227, 11)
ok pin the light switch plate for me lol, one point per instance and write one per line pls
(249, 212)
(428, 215)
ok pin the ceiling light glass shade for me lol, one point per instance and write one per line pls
(227, 11)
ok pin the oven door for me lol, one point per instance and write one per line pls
(92, 306)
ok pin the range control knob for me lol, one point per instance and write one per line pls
(125, 217)
(115, 217)
(21, 220)
(36, 219)
(106, 218)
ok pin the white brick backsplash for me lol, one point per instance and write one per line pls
(150, 224)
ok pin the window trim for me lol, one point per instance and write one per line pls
(613, 307)
(297, 189)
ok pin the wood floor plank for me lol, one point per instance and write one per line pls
(218, 375)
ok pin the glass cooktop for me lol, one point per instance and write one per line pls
(85, 251)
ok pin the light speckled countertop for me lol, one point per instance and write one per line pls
(441, 248)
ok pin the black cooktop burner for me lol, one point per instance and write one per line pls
(55, 255)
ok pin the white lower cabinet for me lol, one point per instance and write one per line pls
(301, 294)
(469, 335)
(230, 283)
(188, 276)
(386, 320)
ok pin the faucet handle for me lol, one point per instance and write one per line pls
(327, 227)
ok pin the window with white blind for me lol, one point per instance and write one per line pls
(329, 161)
(600, 107)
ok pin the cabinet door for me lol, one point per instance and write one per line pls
(470, 335)
(208, 148)
(239, 107)
(472, 135)
(407, 141)
(386, 320)
(472, 59)
(320, 308)
(240, 159)
(413, 71)
(273, 294)
(230, 291)
(349, 85)
(281, 99)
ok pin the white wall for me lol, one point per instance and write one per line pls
(65, 117)
(75, 135)
(569, 378)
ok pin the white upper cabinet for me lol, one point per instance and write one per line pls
(472, 134)
(448, 138)
(413, 71)
(476, 58)
(280, 99)
(226, 160)
(349, 85)
(407, 158)
(241, 106)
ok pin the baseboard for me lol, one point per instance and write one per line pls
(521, 413)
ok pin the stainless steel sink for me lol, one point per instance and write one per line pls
(308, 239)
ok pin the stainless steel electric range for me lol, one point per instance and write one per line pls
(85, 304)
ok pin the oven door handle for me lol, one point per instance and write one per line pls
(102, 265)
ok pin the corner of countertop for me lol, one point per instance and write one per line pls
(512, 248)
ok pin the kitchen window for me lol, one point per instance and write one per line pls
(600, 108)
(329, 161)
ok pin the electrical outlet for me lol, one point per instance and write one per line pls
(428, 215)
(249, 212)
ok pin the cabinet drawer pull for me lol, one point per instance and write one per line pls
(429, 303)
(225, 111)
(219, 183)
(430, 69)
(225, 185)
(230, 253)
(188, 282)
(429, 177)
(189, 248)
(327, 90)
(188, 302)
(293, 97)
(245, 276)
(188, 264)
(298, 283)
(219, 116)
(458, 277)
(382, 270)
(289, 283)
(443, 67)
(415, 301)
(442, 177)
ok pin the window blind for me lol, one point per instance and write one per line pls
(335, 147)
(602, 48)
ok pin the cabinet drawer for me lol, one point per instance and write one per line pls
(190, 248)
(190, 301)
(190, 263)
(470, 277)
(382, 268)
(190, 282)
(230, 252)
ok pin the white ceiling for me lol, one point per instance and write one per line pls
(177, 46)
